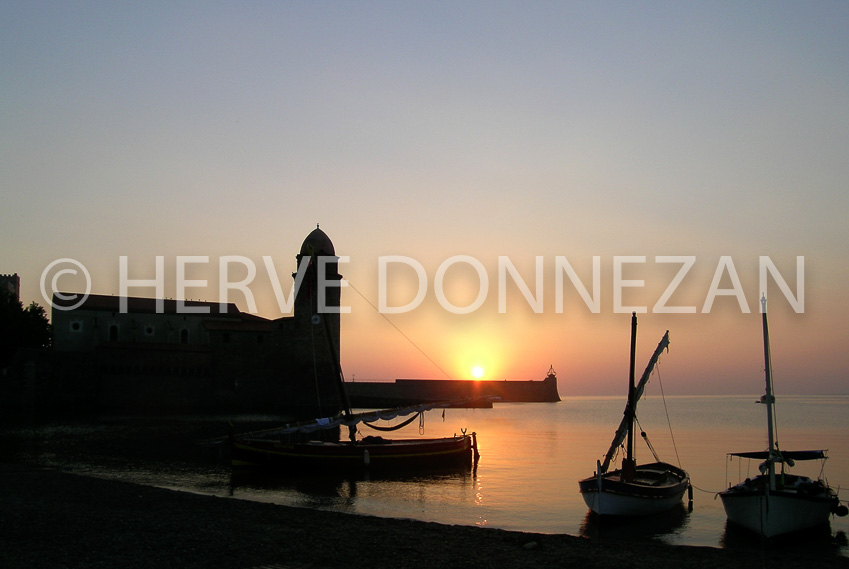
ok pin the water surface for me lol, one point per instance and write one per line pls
(532, 456)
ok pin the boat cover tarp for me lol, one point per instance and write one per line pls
(352, 419)
(786, 454)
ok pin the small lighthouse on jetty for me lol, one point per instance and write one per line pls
(415, 391)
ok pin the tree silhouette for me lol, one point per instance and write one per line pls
(21, 327)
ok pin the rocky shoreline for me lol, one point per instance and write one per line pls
(55, 519)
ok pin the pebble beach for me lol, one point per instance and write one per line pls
(56, 519)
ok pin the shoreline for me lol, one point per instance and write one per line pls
(56, 519)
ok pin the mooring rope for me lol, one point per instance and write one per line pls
(703, 490)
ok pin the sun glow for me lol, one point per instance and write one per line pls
(477, 372)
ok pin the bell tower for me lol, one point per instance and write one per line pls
(317, 322)
(319, 298)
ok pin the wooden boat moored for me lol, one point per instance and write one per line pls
(634, 490)
(316, 446)
(368, 454)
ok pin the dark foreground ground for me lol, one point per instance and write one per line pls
(51, 519)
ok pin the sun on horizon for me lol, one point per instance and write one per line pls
(477, 372)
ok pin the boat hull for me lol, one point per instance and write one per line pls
(778, 512)
(656, 487)
(383, 455)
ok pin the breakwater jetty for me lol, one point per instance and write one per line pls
(401, 392)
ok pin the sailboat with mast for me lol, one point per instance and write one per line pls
(315, 445)
(776, 502)
(304, 446)
(634, 490)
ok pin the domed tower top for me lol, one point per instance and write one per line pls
(319, 242)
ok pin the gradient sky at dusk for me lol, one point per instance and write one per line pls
(434, 129)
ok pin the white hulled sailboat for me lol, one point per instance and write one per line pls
(775, 503)
(634, 490)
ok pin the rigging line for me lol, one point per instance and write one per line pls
(774, 406)
(668, 422)
(399, 330)
(647, 441)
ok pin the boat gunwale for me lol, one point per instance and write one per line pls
(612, 486)
(445, 451)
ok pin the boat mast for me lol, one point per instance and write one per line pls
(769, 397)
(629, 464)
(625, 424)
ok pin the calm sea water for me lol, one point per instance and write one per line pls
(532, 456)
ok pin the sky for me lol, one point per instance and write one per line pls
(441, 140)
